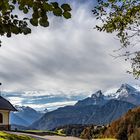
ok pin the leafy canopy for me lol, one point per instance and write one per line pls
(123, 18)
(35, 11)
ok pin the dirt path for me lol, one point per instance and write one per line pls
(46, 137)
(36, 137)
(60, 138)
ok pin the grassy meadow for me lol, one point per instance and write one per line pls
(7, 136)
(45, 132)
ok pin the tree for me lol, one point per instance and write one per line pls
(35, 12)
(123, 18)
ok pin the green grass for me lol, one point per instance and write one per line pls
(59, 132)
(35, 131)
(7, 136)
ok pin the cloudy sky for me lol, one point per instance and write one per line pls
(68, 55)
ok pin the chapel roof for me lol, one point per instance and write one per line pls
(6, 105)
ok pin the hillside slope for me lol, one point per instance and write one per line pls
(25, 116)
(65, 115)
(127, 127)
(91, 114)
(109, 112)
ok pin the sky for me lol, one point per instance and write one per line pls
(68, 55)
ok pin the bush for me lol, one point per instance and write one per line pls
(135, 135)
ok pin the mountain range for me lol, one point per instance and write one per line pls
(25, 116)
(98, 109)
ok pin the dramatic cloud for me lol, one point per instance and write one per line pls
(69, 54)
(50, 99)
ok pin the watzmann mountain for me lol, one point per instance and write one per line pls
(98, 109)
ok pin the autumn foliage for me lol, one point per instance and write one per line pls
(127, 127)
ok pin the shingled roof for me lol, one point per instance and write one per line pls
(6, 105)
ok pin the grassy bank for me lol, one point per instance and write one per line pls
(7, 136)
(44, 132)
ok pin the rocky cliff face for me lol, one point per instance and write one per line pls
(96, 99)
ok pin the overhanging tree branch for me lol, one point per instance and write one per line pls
(123, 18)
(35, 12)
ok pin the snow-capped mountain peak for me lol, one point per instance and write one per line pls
(125, 90)
(20, 108)
(126, 87)
(97, 94)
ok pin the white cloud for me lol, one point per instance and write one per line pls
(51, 106)
(67, 55)
(16, 100)
(50, 99)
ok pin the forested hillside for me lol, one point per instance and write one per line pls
(127, 127)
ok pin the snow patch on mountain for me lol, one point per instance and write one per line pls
(124, 91)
